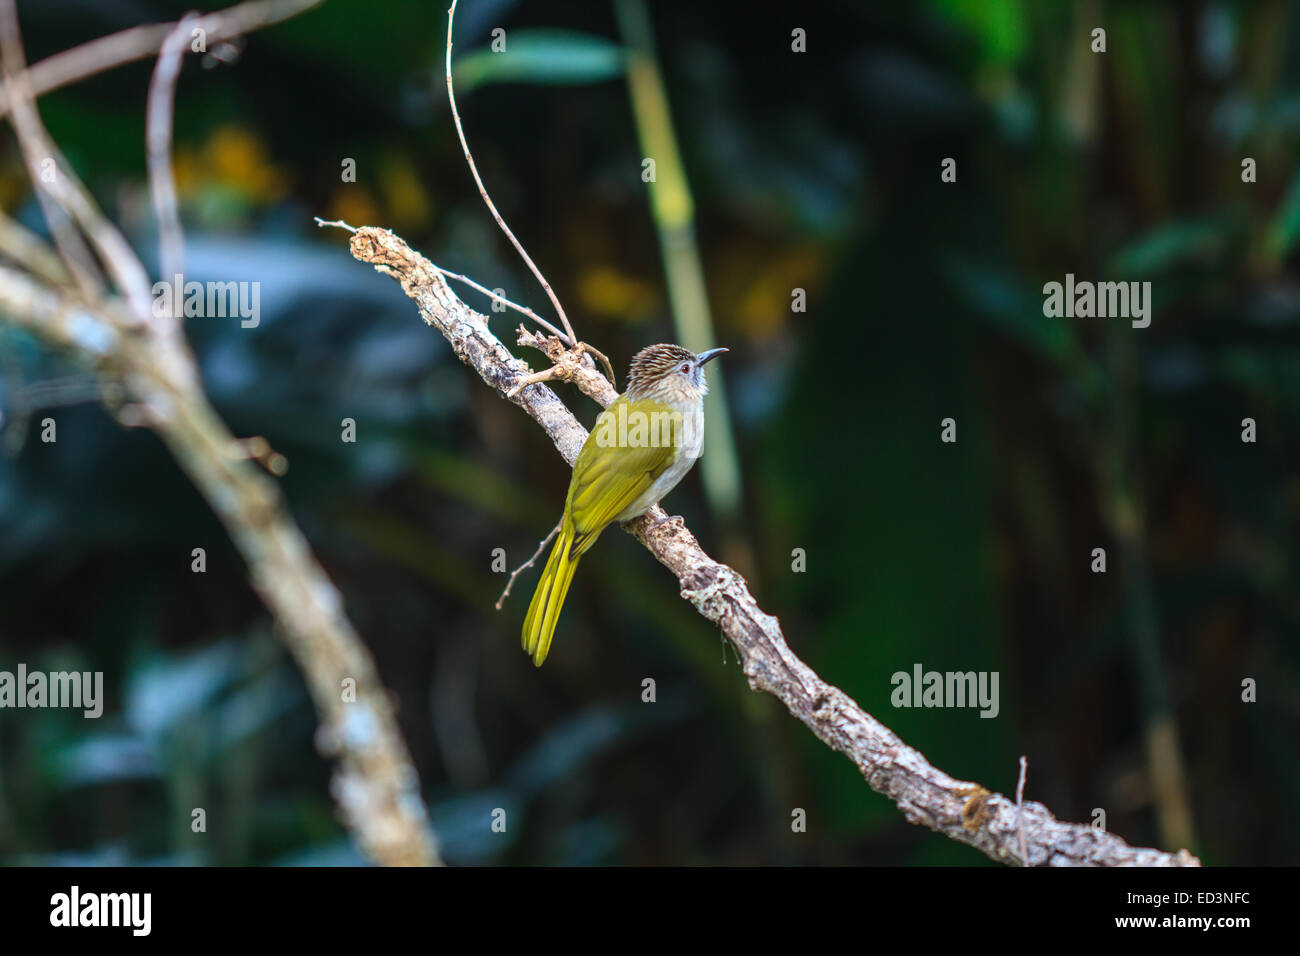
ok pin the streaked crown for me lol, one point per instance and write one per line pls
(653, 362)
(668, 370)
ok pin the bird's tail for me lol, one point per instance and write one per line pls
(544, 611)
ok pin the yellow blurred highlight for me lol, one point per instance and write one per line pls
(233, 158)
(758, 283)
(354, 204)
(15, 187)
(238, 158)
(408, 204)
(603, 290)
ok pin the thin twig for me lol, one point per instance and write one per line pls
(1020, 811)
(150, 369)
(336, 223)
(137, 43)
(64, 187)
(375, 784)
(28, 250)
(565, 363)
(258, 449)
(469, 158)
(158, 140)
(527, 564)
(72, 248)
(503, 300)
(340, 224)
(544, 376)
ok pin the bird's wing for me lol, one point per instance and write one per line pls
(609, 476)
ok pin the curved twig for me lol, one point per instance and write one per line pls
(527, 564)
(158, 149)
(478, 180)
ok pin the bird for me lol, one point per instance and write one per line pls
(642, 445)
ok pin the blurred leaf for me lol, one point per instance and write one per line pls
(260, 706)
(339, 853)
(1006, 301)
(1168, 246)
(904, 93)
(1286, 224)
(104, 758)
(998, 25)
(167, 690)
(112, 854)
(576, 742)
(542, 56)
(464, 825)
(474, 20)
(587, 843)
(463, 822)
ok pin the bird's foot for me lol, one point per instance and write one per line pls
(669, 519)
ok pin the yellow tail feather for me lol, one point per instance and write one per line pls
(548, 599)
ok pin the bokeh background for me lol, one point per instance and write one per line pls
(817, 171)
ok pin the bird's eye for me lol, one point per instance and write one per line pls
(686, 367)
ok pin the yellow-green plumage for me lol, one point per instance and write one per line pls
(606, 481)
(622, 472)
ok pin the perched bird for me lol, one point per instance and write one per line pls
(642, 446)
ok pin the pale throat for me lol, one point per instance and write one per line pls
(681, 395)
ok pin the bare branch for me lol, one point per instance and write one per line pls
(375, 784)
(137, 43)
(62, 185)
(146, 363)
(40, 163)
(336, 223)
(566, 364)
(1020, 810)
(963, 811)
(539, 376)
(23, 247)
(522, 309)
(158, 141)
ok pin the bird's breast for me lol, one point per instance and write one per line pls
(690, 445)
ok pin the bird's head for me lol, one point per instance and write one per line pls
(667, 372)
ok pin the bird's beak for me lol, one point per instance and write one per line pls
(705, 357)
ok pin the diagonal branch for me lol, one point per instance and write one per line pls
(580, 347)
(374, 784)
(149, 362)
(967, 812)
